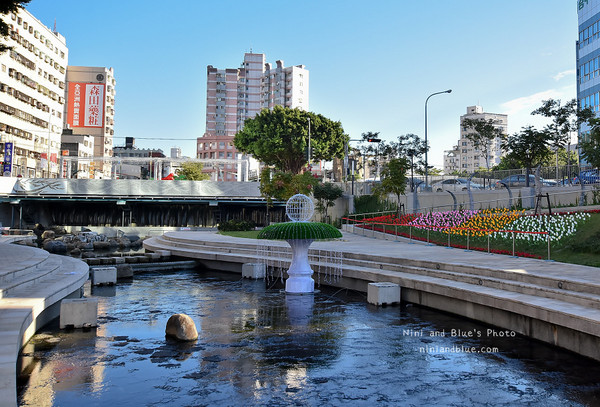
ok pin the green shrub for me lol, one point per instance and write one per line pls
(371, 203)
(235, 225)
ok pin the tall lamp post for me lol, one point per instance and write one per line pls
(426, 143)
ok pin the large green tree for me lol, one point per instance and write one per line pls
(528, 148)
(393, 179)
(279, 138)
(8, 6)
(281, 186)
(566, 119)
(483, 134)
(413, 148)
(192, 171)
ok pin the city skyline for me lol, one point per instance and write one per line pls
(372, 65)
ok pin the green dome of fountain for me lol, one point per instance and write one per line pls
(300, 230)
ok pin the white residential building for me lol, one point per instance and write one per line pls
(32, 87)
(466, 157)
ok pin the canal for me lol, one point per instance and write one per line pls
(258, 346)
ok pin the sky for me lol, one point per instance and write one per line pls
(372, 63)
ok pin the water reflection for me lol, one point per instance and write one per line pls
(260, 346)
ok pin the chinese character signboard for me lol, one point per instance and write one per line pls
(8, 156)
(86, 105)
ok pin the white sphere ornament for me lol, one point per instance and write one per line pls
(299, 208)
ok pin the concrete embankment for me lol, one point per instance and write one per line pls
(32, 284)
(553, 302)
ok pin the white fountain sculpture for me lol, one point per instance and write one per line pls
(300, 233)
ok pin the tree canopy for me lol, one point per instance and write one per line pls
(326, 193)
(393, 179)
(8, 6)
(528, 148)
(283, 185)
(192, 171)
(483, 135)
(565, 119)
(279, 137)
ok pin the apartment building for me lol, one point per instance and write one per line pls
(90, 109)
(32, 87)
(467, 157)
(237, 94)
(79, 149)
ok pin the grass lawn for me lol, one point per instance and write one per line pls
(251, 234)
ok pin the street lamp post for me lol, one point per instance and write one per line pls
(426, 143)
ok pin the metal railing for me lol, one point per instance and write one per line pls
(449, 230)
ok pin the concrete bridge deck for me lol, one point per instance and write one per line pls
(553, 302)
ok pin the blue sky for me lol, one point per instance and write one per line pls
(372, 63)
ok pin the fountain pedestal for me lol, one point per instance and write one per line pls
(300, 274)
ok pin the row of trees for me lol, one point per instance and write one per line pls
(281, 138)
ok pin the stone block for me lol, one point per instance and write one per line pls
(124, 271)
(152, 256)
(118, 260)
(105, 260)
(131, 259)
(163, 253)
(143, 259)
(383, 293)
(253, 270)
(104, 275)
(94, 262)
(78, 313)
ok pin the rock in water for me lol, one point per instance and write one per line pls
(55, 246)
(181, 327)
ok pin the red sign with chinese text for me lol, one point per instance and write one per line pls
(85, 105)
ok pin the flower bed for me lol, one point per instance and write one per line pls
(475, 229)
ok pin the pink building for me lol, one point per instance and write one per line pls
(234, 95)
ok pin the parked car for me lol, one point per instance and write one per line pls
(519, 181)
(454, 184)
(587, 177)
(419, 184)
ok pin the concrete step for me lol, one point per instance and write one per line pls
(22, 258)
(29, 276)
(22, 313)
(581, 294)
(511, 295)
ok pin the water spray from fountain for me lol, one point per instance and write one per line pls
(300, 233)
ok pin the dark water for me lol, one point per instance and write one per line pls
(258, 346)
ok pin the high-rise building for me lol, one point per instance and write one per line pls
(588, 57)
(234, 95)
(32, 83)
(90, 109)
(466, 157)
(175, 152)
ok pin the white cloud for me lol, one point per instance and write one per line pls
(562, 74)
(529, 103)
(519, 109)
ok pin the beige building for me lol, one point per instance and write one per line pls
(236, 94)
(32, 87)
(90, 109)
(466, 157)
(79, 149)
